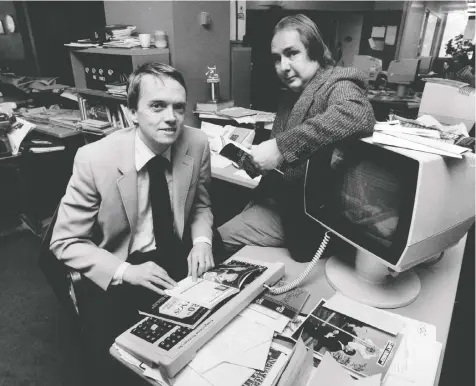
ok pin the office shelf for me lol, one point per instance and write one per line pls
(119, 60)
(123, 51)
(85, 92)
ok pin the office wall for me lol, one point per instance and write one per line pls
(349, 25)
(192, 46)
(11, 45)
(148, 16)
(196, 47)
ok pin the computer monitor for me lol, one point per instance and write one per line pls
(397, 207)
(426, 63)
(369, 65)
(402, 72)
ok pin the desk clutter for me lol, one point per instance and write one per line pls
(424, 134)
(265, 340)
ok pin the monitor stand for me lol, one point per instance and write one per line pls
(370, 282)
(402, 90)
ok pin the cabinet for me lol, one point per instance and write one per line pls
(241, 76)
(94, 67)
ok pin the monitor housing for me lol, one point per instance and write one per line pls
(426, 64)
(369, 65)
(397, 207)
(403, 73)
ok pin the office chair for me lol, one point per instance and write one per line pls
(67, 285)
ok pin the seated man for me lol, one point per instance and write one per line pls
(133, 200)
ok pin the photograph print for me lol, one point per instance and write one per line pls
(360, 348)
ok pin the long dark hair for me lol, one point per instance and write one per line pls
(311, 38)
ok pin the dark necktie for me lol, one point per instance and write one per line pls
(162, 215)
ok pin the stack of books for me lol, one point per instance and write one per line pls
(65, 118)
(117, 88)
(123, 43)
(96, 127)
(213, 106)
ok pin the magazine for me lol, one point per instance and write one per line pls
(275, 362)
(177, 311)
(217, 284)
(360, 348)
(240, 155)
(288, 304)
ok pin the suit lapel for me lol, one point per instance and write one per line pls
(182, 170)
(301, 107)
(127, 182)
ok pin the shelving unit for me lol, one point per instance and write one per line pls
(108, 65)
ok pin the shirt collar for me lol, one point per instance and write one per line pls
(143, 154)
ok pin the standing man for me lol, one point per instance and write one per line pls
(133, 201)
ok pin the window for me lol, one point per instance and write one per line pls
(455, 25)
(431, 24)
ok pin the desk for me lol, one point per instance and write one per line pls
(229, 193)
(40, 179)
(382, 104)
(228, 174)
(434, 304)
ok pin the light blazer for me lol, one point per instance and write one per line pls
(98, 213)
(332, 107)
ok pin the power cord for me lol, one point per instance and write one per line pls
(289, 286)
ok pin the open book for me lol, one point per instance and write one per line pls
(215, 285)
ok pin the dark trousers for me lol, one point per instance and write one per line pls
(104, 315)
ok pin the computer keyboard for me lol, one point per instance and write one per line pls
(168, 345)
(152, 329)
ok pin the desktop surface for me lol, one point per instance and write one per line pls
(434, 305)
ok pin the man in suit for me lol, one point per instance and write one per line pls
(323, 105)
(133, 201)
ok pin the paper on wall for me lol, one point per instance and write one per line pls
(391, 35)
(378, 32)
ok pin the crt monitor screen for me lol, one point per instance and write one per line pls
(368, 198)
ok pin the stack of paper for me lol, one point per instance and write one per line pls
(415, 142)
(234, 354)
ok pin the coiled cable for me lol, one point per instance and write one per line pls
(289, 286)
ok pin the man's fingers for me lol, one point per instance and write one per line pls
(160, 281)
(152, 287)
(156, 280)
(165, 278)
(194, 269)
(189, 262)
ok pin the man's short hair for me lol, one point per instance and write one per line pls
(156, 69)
(311, 38)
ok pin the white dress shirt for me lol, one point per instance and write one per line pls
(143, 239)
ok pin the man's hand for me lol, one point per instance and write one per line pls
(148, 275)
(200, 260)
(266, 155)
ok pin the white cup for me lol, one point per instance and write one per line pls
(160, 39)
(144, 40)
